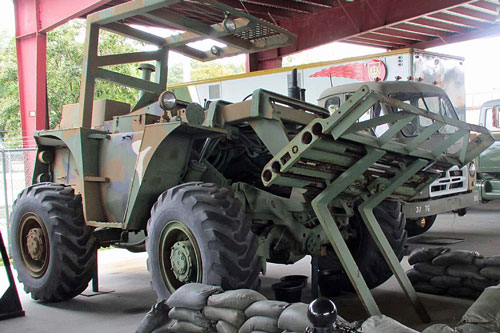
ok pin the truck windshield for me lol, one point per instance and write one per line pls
(435, 103)
(492, 118)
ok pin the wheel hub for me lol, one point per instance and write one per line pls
(182, 260)
(35, 243)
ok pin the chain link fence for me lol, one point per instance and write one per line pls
(16, 166)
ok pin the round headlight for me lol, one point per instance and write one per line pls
(472, 169)
(215, 50)
(229, 24)
(167, 100)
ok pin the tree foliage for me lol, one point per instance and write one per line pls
(209, 70)
(9, 98)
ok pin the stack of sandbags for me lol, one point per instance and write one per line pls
(186, 306)
(457, 273)
(227, 310)
(263, 316)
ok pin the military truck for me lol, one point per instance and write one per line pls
(214, 193)
(488, 164)
(455, 189)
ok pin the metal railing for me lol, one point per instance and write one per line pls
(16, 165)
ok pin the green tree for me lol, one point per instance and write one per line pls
(209, 70)
(9, 98)
(175, 73)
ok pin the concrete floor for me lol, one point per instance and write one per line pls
(125, 274)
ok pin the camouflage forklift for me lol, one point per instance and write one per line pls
(214, 193)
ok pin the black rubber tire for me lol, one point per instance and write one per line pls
(413, 229)
(72, 245)
(332, 277)
(217, 221)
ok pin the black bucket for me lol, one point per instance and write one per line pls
(299, 278)
(288, 291)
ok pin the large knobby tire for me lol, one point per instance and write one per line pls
(332, 277)
(414, 226)
(54, 251)
(199, 233)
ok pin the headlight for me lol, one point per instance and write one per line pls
(167, 100)
(215, 50)
(229, 24)
(472, 169)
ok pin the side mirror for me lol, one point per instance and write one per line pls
(495, 116)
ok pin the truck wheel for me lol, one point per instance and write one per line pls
(199, 233)
(332, 277)
(54, 251)
(414, 226)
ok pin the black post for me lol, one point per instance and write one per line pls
(10, 305)
(314, 276)
(95, 277)
(293, 88)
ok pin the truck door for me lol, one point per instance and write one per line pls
(489, 160)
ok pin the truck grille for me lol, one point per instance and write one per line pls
(454, 180)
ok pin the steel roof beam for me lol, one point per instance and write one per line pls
(264, 12)
(492, 7)
(319, 3)
(385, 38)
(489, 32)
(282, 4)
(416, 29)
(459, 20)
(474, 14)
(440, 25)
(394, 31)
(379, 43)
(319, 27)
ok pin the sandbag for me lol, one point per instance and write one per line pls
(192, 296)
(446, 282)
(439, 328)
(428, 268)
(492, 261)
(478, 285)
(492, 273)
(235, 299)
(260, 323)
(192, 316)
(427, 288)
(464, 292)
(381, 323)
(456, 257)
(425, 254)
(156, 317)
(223, 327)
(294, 318)
(187, 327)
(471, 328)
(465, 271)
(415, 276)
(231, 316)
(485, 311)
(271, 309)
